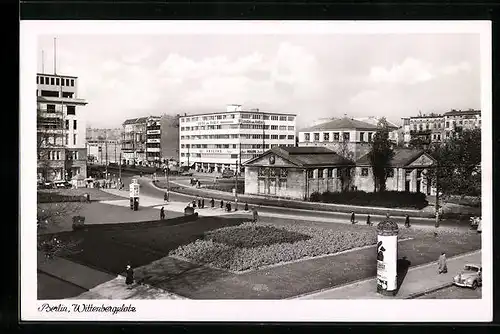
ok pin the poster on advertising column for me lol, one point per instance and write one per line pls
(134, 190)
(387, 263)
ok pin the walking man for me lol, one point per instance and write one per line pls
(353, 217)
(199, 202)
(203, 203)
(368, 222)
(162, 213)
(407, 221)
(212, 203)
(194, 203)
(221, 204)
(255, 215)
(129, 280)
(165, 197)
(246, 206)
(442, 267)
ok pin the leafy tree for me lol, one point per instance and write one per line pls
(459, 164)
(380, 155)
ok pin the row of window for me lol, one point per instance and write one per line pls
(56, 155)
(233, 116)
(225, 146)
(346, 136)
(242, 136)
(238, 126)
(51, 108)
(55, 81)
(233, 156)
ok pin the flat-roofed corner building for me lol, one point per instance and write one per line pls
(61, 128)
(213, 142)
(346, 136)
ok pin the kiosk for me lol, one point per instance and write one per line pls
(134, 195)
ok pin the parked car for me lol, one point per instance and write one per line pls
(44, 185)
(227, 173)
(62, 184)
(470, 277)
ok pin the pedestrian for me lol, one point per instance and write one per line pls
(221, 204)
(165, 197)
(199, 184)
(203, 203)
(212, 203)
(255, 215)
(129, 280)
(353, 218)
(246, 206)
(368, 222)
(228, 206)
(194, 203)
(387, 216)
(479, 227)
(407, 221)
(162, 213)
(442, 267)
(199, 203)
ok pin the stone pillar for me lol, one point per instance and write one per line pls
(387, 257)
(413, 184)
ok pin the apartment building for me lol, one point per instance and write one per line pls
(439, 127)
(61, 128)
(346, 136)
(153, 140)
(213, 142)
(134, 141)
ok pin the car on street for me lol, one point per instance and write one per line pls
(227, 174)
(62, 185)
(469, 277)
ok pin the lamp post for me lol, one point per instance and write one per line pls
(236, 188)
(167, 173)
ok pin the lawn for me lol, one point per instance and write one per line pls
(147, 250)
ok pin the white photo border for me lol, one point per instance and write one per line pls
(249, 310)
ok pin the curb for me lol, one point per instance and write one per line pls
(187, 192)
(430, 290)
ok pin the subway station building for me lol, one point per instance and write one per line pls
(297, 172)
(214, 142)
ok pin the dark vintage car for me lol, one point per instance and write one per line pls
(470, 277)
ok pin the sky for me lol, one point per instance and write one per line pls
(313, 76)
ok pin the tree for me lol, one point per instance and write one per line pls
(458, 169)
(380, 155)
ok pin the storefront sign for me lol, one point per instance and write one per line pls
(153, 132)
(387, 250)
(153, 140)
(251, 121)
(217, 122)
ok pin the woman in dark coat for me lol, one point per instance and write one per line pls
(221, 204)
(212, 203)
(368, 222)
(407, 221)
(130, 275)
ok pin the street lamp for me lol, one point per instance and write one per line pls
(236, 188)
(167, 172)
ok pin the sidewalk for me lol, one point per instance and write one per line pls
(116, 289)
(417, 281)
(72, 272)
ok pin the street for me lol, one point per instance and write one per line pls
(148, 189)
(453, 292)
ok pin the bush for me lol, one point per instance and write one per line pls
(389, 199)
(254, 236)
(50, 197)
(230, 254)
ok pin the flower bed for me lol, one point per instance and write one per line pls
(223, 248)
(254, 236)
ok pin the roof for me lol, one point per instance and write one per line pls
(237, 112)
(342, 123)
(462, 112)
(136, 120)
(306, 156)
(57, 75)
(402, 157)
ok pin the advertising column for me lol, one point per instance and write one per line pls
(387, 257)
(134, 195)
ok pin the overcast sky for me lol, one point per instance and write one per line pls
(313, 76)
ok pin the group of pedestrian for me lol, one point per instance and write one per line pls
(370, 223)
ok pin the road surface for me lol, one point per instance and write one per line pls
(148, 189)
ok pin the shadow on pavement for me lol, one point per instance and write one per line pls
(402, 269)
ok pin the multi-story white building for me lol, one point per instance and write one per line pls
(213, 142)
(60, 128)
(439, 127)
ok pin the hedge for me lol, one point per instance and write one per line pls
(43, 197)
(388, 199)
